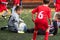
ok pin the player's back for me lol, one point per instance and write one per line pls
(58, 1)
(43, 13)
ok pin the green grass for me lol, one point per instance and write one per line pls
(26, 16)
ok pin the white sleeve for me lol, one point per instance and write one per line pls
(21, 20)
(5, 2)
(16, 23)
(16, 19)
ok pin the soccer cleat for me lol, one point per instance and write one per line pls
(32, 39)
(4, 17)
(51, 35)
(21, 32)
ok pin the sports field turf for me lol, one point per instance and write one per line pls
(26, 16)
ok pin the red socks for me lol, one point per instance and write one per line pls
(46, 36)
(34, 35)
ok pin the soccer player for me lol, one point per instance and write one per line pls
(14, 21)
(41, 22)
(15, 3)
(56, 23)
(57, 7)
(3, 4)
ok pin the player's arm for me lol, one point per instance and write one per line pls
(33, 12)
(50, 21)
(49, 17)
(16, 22)
(16, 19)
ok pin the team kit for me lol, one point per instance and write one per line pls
(43, 23)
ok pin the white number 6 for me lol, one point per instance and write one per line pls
(40, 16)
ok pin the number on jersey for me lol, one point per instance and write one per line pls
(40, 16)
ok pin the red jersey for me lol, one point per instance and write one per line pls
(58, 1)
(43, 12)
(2, 5)
(1, 2)
(16, 2)
(57, 5)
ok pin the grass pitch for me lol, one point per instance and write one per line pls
(26, 16)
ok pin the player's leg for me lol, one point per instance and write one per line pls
(35, 33)
(12, 29)
(30, 30)
(5, 13)
(55, 27)
(4, 28)
(41, 32)
(47, 34)
(46, 28)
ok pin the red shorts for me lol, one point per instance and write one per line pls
(41, 25)
(57, 7)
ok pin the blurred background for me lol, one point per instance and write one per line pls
(30, 3)
(27, 5)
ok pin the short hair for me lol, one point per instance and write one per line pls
(58, 16)
(46, 1)
(18, 8)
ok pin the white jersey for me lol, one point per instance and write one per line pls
(14, 21)
(13, 10)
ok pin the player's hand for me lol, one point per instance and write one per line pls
(17, 4)
(6, 2)
(49, 25)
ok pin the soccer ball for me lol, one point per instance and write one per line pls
(22, 28)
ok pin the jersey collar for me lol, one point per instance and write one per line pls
(45, 5)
